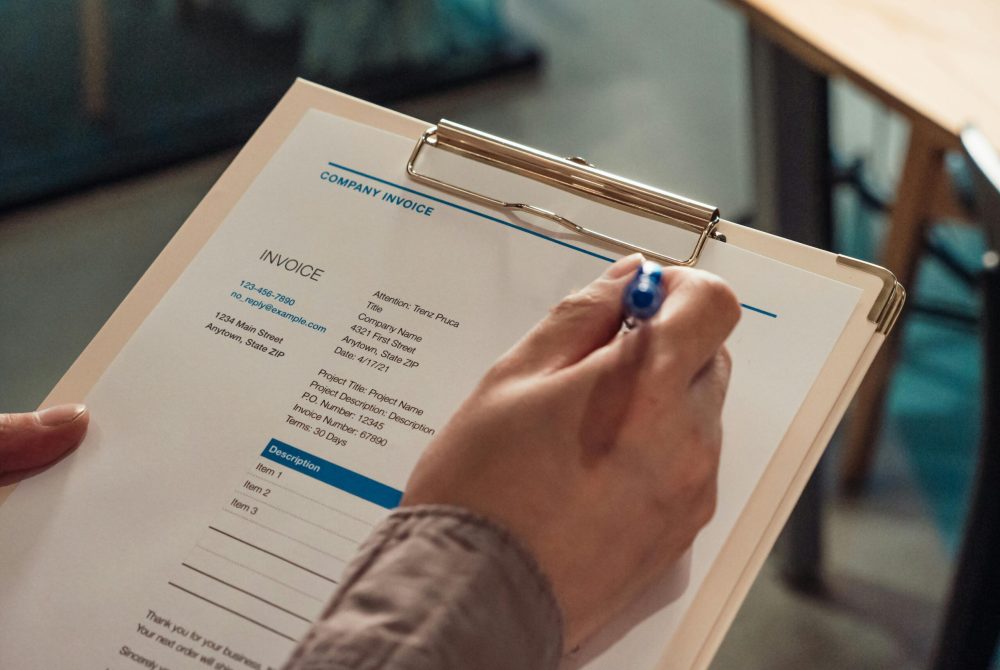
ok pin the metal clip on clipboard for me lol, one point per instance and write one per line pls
(578, 176)
(571, 174)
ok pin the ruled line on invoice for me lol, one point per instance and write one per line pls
(244, 591)
(312, 500)
(296, 516)
(258, 572)
(278, 556)
(232, 611)
(286, 535)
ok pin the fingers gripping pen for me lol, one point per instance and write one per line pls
(644, 294)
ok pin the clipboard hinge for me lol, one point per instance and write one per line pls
(891, 298)
(575, 175)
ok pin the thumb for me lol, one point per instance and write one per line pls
(34, 439)
(579, 324)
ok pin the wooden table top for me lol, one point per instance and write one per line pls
(935, 61)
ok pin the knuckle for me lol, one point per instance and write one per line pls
(699, 495)
(697, 474)
(703, 466)
(702, 438)
(6, 425)
(573, 304)
(721, 295)
(716, 294)
(711, 436)
(496, 372)
(666, 366)
(725, 362)
(705, 472)
(693, 489)
(503, 368)
(707, 505)
(715, 445)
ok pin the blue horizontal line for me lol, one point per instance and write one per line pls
(759, 310)
(470, 211)
(500, 221)
(330, 473)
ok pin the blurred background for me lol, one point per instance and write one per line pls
(117, 117)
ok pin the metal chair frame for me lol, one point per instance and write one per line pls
(969, 630)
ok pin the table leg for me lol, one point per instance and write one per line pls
(94, 57)
(792, 165)
(901, 254)
(971, 625)
(791, 125)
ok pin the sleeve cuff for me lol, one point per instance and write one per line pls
(437, 587)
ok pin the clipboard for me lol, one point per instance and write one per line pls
(882, 298)
(704, 222)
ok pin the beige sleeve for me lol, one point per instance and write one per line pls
(439, 588)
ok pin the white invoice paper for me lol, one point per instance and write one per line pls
(267, 412)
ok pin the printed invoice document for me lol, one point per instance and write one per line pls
(266, 413)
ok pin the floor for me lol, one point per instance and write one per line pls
(658, 93)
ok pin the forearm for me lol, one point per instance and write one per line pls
(437, 588)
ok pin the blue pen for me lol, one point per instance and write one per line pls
(644, 294)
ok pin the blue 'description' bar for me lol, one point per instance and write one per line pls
(330, 473)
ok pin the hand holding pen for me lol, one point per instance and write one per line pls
(576, 433)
